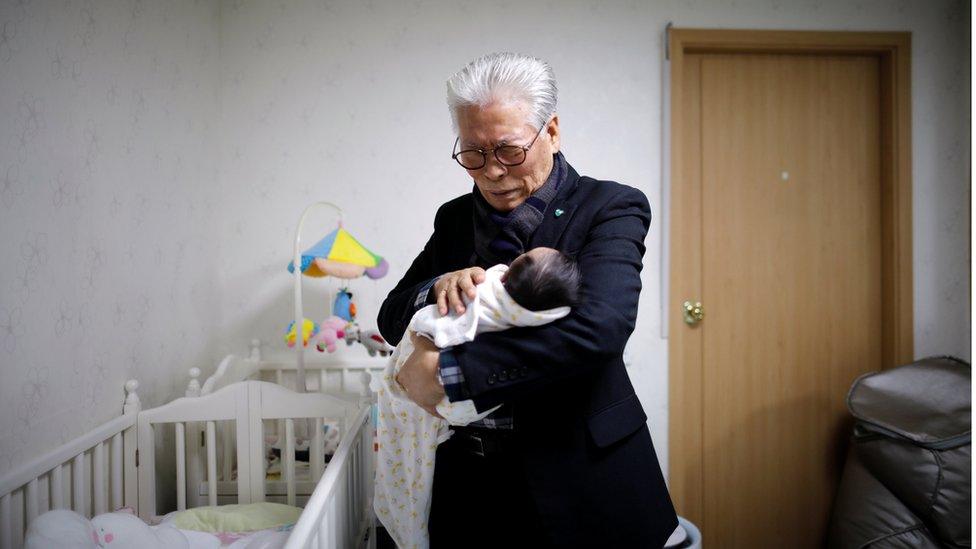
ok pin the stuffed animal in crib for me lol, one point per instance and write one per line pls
(120, 530)
(343, 307)
(61, 528)
(309, 329)
(330, 331)
(124, 530)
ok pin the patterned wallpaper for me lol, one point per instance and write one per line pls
(345, 101)
(156, 157)
(108, 197)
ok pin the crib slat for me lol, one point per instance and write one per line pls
(351, 477)
(5, 529)
(229, 452)
(323, 533)
(348, 511)
(78, 484)
(351, 500)
(115, 466)
(333, 521)
(288, 460)
(56, 485)
(100, 494)
(342, 379)
(365, 445)
(180, 466)
(316, 450)
(30, 500)
(212, 463)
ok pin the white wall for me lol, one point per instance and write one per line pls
(107, 169)
(344, 101)
(117, 119)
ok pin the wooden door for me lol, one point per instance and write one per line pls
(789, 151)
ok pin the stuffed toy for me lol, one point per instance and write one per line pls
(61, 528)
(374, 343)
(343, 307)
(371, 339)
(309, 329)
(330, 331)
(119, 530)
(124, 530)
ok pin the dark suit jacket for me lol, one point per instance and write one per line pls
(581, 432)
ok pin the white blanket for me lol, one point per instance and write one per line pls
(408, 436)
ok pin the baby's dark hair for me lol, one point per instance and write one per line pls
(546, 282)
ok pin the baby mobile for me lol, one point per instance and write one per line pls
(341, 256)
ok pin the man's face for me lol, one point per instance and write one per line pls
(506, 123)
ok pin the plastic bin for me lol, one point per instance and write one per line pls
(693, 539)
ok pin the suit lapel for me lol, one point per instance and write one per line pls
(548, 232)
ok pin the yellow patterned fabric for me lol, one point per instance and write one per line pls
(237, 518)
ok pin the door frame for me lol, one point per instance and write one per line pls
(685, 364)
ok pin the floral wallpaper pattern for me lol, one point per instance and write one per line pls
(107, 191)
(345, 101)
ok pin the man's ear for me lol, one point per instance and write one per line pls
(553, 131)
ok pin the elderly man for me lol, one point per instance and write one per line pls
(567, 460)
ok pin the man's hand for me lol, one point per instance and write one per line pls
(418, 375)
(450, 286)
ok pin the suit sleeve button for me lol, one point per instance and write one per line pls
(523, 372)
(503, 375)
(492, 378)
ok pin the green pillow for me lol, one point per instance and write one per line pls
(237, 517)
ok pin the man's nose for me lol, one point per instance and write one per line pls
(494, 170)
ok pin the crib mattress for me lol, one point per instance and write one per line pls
(266, 523)
(266, 539)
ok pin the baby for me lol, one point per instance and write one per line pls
(539, 287)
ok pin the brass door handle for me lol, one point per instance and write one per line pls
(693, 312)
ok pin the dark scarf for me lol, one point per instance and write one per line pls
(501, 237)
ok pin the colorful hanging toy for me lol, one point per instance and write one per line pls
(333, 330)
(309, 329)
(341, 256)
(343, 307)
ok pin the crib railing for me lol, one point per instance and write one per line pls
(343, 372)
(98, 469)
(247, 405)
(345, 375)
(102, 468)
(339, 512)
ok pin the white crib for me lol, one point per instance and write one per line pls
(344, 375)
(114, 464)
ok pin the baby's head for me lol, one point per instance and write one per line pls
(543, 278)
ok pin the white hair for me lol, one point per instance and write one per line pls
(504, 76)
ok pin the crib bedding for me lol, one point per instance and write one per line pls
(252, 526)
(270, 538)
(128, 487)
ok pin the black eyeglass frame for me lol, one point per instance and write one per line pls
(494, 151)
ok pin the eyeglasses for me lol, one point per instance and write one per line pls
(507, 155)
